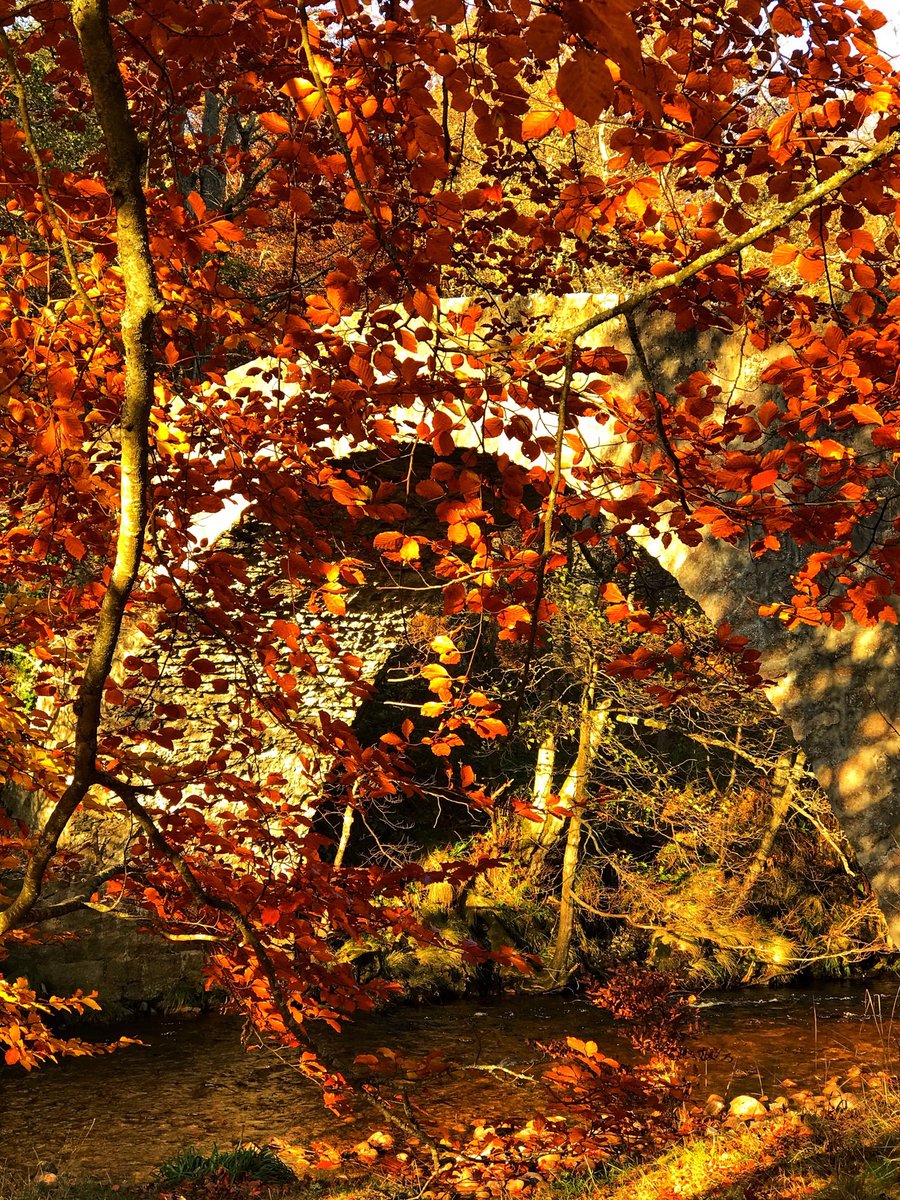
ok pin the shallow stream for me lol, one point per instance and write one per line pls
(193, 1083)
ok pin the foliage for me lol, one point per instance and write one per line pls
(27, 1034)
(358, 202)
(695, 854)
(660, 1016)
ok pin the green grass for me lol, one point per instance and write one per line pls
(259, 1163)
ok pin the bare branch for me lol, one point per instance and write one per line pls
(52, 912)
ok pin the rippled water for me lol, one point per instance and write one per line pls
(193, 1083)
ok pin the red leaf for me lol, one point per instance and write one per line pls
(784, 21)
(544, 35)
(763, 480)
(444, 12)
(864, 275)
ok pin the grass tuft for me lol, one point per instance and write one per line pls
(258, 1163)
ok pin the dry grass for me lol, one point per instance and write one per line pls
(16, 1187)
(853, 1155)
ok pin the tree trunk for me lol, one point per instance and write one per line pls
(788, 771)
(211, 178)
(125, 158)
(346, 827)
(576, 787)
(534, 832)
(554, 825)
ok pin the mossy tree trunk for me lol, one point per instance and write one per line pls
(124, 162)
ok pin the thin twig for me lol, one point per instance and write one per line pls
(653, 393)
(755, 233)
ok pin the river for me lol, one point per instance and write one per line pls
(117, 1117)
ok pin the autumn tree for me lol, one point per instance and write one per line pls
(741, 417)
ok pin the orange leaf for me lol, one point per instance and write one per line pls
(864, 275)
(584, 85)
(334, 603)
(538, 124)
(810, 267)
(866, 414)
(783, 255)
(274, 122)
(763, 480)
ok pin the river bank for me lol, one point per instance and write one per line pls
(117, 1118)
(851, 1153)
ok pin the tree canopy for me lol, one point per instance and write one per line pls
(513, 278)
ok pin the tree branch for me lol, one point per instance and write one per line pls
(712, 258)
(51, 912)
(652, 392)
(251, 939)
(142, 302)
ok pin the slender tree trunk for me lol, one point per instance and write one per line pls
(553, 825)
(142, 302)
(534, 831)
(567, 896)
(788, 771)
(577, 782)
(346, 827)
(212, 179)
